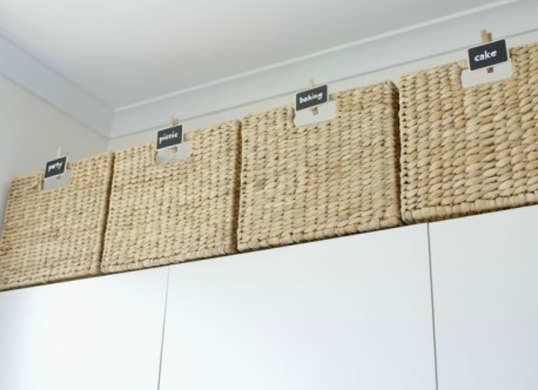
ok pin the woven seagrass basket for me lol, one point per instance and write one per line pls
(181, 210)
(326, 179)
(469, 150)
(55, 234)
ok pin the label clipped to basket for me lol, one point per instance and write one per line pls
(311, 97)
(487, 55)
(167, 138)
(55, 167)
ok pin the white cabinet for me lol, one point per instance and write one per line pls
(100, 333)
(347, 313)
(485, 283)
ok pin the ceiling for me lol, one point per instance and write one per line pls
(124, 51)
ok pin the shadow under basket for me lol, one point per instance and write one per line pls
(469, 150)
(180, 210)
(55, 234)
(324, 179)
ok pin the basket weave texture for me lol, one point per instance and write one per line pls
(55, 234)
(180, 210)
(469, 150)
(325, 179)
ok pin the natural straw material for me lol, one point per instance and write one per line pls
(326, 179)
(180, 210)
(469, 150)
(55, 234)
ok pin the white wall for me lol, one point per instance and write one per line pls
(391, 50)
(391, 73)
(23, 69)
(31, 131)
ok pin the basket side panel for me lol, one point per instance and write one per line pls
(327, 179)
(56, 234)
(469, 150)
(181, 210)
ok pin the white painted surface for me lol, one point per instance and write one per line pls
(217, 100)
(485, 272)
(502, 71)
(23, 69)
(182, 44)
(100, 333)
(322, 113)
(31, 131)
(388, 55)
(194, 59)
(347, 313)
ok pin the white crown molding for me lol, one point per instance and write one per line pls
(23, 69)
(436, 37)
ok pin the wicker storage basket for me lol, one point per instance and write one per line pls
(55, 234)
(326, 179)
(469, 150)
(180, 210)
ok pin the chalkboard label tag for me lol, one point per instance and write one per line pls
(487, 55)
(311, 98)
(167, 138)
(55, 167)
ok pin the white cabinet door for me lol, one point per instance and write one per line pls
(348, 313)
(93, 334)
(485, 283)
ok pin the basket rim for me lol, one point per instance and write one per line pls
(234, 124)
(291, 106)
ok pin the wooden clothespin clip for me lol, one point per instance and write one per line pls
(169, 144)
(59, 154)
(486, 38)
(169, 139)
(311, 84)
(173, 121)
